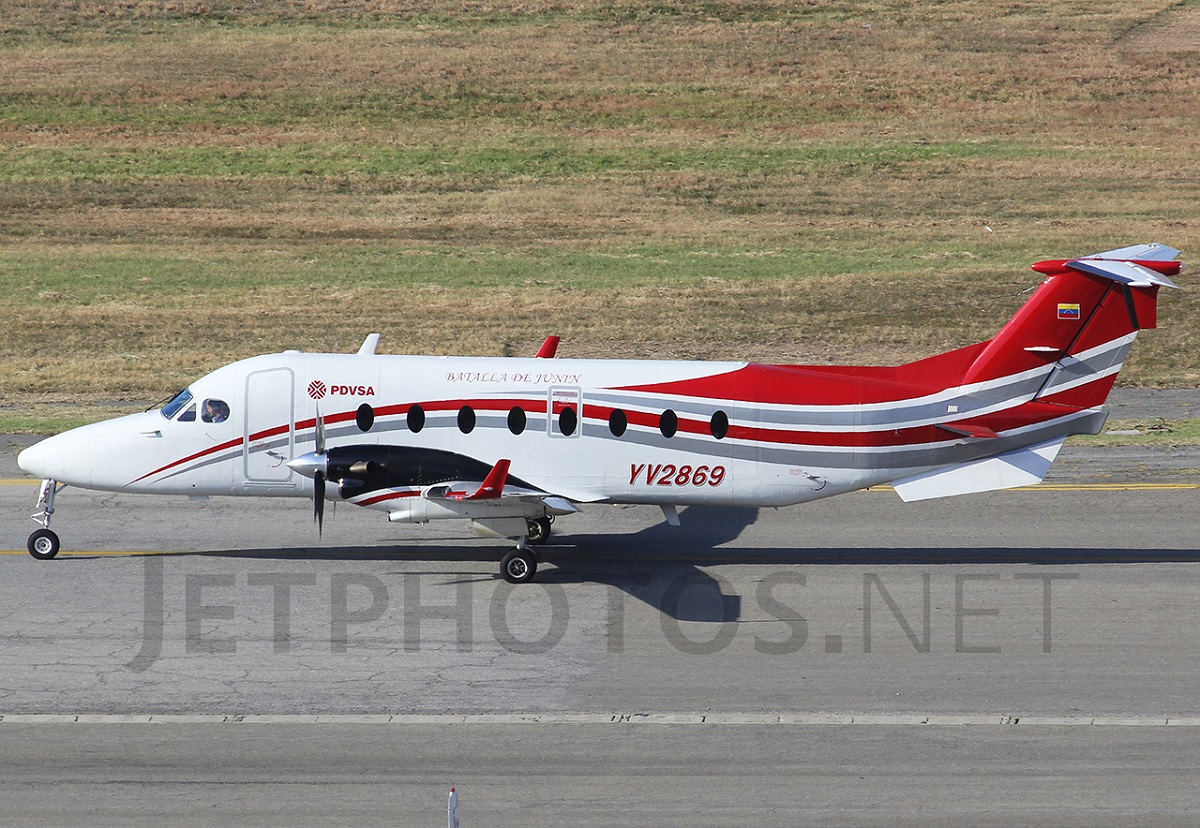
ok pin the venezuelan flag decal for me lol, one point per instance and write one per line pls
(1068, 311)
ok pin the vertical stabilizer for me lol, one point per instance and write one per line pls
(1079, 324)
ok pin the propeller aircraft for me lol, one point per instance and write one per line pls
(510, 444)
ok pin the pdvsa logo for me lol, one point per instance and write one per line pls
(352, 391)
(318, 390)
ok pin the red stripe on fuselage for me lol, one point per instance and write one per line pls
(208, 451)
(370, 501)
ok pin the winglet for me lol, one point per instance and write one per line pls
(549, 348)
(493, 485)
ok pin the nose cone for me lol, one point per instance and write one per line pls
(33, 460)
(97, 456)
(62, 457)
(309, 464)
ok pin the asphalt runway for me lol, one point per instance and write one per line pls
(1023, 657)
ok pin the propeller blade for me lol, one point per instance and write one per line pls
(320, 431)
(319, 476)
(319, 501)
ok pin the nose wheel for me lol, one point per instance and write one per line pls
(43, 543)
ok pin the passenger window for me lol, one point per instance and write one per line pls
(668, 423)
(466, 419)
(416, 419)
(568, 421)
(189, 415)
(215, 411)
(364, 418)
(517, 420)
(617, 422)
(719, 424)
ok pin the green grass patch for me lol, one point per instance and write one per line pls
(54, 418)
(1157, 432)
(524, 157)
(162, 277)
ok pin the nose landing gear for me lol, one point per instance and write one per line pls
(43, 543)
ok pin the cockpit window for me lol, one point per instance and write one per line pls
(181, 399)
(189, 414)
(215, 411)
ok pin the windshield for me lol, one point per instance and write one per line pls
(181, 399)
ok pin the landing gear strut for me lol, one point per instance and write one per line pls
(43, 543)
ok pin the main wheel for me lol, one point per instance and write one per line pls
(539, 530)
(43, 544)
(518, 566)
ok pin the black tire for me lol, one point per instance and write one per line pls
(518, 566)
(43, 544)
(539, 530)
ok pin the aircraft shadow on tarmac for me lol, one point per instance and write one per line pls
(660, 565)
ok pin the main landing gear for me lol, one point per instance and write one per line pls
(538, 530)
(520, 565)
(43, 543)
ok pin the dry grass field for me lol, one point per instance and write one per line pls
(186, 183)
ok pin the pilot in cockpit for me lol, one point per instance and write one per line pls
(215, 411)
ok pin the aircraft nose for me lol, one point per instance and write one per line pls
(309, 464)
(57, 458)
(33, 460)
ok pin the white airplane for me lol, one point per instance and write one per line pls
(510, 444)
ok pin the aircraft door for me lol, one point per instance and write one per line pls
(270, 426)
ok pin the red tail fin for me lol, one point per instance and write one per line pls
(1079, 324)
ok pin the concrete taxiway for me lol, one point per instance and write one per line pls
(1024, 657)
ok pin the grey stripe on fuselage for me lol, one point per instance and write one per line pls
(847, 417)
(928, 409)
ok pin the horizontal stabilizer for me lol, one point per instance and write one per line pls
(1152, 252)
(1021, 467)
(1130, 273)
